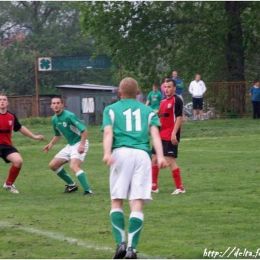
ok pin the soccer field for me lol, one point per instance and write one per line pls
(219, 161)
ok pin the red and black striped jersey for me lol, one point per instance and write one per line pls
(8, 123)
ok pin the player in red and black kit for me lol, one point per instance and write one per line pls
(170, 114)
(8, 124)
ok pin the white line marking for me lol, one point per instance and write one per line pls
(56, 236)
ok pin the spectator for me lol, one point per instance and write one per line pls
(163, 88)
(255, 98)
(140, 96)
(197, 88)
(154, 98)
(179, 84)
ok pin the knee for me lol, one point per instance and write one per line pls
(53, 166)
(18, 163)
(116, 203)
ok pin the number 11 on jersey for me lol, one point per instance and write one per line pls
(133, 118)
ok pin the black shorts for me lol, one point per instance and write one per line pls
(169, 150)
(197, 103)
(5, 150)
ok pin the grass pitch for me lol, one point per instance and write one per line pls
(219, 162)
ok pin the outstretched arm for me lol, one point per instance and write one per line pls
(54, 140)
(107, 145)
(25, 131)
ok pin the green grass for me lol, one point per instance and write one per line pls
(219, 161)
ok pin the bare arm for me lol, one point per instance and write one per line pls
(176, 128)
(25, 131)
(107, 145)
(157, 144)
(54, 140)
(81, 147)
(147, 102)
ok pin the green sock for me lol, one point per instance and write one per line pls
(118, 225)
(63, 175)
(135, 227)
(83, 180)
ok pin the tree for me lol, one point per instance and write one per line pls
(152, 38)
(49, 29)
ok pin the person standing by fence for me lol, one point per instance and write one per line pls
(197, 88)
(255, 98)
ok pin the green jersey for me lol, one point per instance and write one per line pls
(131, 121)
(69, 125)
(155, 97)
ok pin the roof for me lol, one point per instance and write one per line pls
(89, 86)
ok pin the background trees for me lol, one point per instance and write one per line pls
(150, 39)
(29, 29)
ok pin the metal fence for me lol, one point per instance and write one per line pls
(221, 100)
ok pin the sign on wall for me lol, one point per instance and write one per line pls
(88, 105)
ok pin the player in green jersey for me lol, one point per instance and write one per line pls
(127, 125)
(66, 123)
(154, 98)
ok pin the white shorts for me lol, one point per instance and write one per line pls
(131, 175)
(71, 152)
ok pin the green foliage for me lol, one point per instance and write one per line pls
(220, 209)
(50, 29)
(150, 39)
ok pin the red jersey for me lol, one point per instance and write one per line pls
(8, 123)
(170, 109)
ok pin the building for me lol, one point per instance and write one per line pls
(88, 101)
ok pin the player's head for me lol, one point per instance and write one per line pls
(175, 74)
(166, 78)
(197, 77)
(57, 104)
(256, 82)
(155, 87)
(3, 101)
(170, 88)
(128, 88)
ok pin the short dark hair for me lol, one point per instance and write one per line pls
(173, 81)
(256, 80)
(57, 97)
(155, 84)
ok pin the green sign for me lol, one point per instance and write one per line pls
(73, 63)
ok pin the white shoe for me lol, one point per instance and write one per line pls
(155, 191)
(11, 188)
(178, 191)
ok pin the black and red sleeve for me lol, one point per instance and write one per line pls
(178, 106)
(17, 125)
